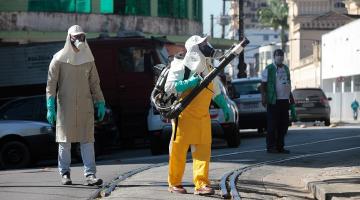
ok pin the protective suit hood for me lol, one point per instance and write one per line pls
(194, 59)
(68, 55)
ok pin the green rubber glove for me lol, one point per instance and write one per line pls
(51, 113)
(193, 81)
(100, 110)
(220, 101)
(293, 113)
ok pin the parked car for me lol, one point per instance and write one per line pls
(26, 136)
(124, 64)
(22, 142)
(160, 128)
(311, 104)
(247, 96)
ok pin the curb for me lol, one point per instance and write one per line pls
(336, 188)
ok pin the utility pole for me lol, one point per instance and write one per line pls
(241, 65)
(223, 25)
(212, 25)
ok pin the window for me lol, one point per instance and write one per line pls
(174, 8)
(246, 88)
(132, 7)
(106, 6)
(339, 5)
(134, 59)
(19, 110)
(79, 6)
(356, 80)
(266, 37)
(347, 84)
(268, 55)
(197, 10)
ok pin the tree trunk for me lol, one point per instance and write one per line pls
(283, 39)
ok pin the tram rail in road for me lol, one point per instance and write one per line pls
(228, 181)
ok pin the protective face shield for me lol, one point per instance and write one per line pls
(206, 49)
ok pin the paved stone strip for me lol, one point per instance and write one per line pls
(109, 187)
(234, 194)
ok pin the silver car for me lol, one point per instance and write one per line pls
(22, 142)
(247, 96)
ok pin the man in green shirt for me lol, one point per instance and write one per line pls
(277, 98)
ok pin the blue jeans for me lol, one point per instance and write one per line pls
(87, 155)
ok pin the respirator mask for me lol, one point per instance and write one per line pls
(206, 49)
(278, 59)
(278, 56)
(209, 52)
(78, 41)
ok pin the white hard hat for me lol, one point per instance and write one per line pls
(194, 40)
(75, 30)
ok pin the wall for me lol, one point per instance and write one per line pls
(41, 21)
(340, 103)
(341, 51)
(308, 75)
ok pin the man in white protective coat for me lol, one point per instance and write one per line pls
(193, 126)
(74, 81)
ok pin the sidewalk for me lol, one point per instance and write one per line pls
(332, 183)
(152, 184)
(267, 182)
(333, 176)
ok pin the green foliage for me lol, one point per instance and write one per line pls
(275, 15)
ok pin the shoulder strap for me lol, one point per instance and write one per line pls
(186, 73)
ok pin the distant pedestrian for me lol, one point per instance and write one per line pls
(277, 98)
(355, 107)
(74, 81)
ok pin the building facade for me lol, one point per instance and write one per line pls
(30, 19)
(341, 69)
(308, 21)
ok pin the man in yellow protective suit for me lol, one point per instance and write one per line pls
(193, 126)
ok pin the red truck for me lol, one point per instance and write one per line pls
(124, 65)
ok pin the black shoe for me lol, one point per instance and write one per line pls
(92, 180)
(284, 151)
(272, 151)
(65, 179)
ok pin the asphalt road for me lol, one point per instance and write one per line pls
(44, 182)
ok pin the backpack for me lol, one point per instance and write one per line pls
(161, 100)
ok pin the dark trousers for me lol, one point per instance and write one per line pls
(277, 124)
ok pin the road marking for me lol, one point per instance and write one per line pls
(295, 145)
(233, 176)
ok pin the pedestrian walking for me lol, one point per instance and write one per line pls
(74, 81)
(193, 126)
(355, 108)
(277, 98)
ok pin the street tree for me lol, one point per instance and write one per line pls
(275, 16)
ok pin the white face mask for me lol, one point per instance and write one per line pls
(79, 45)
(279, 60)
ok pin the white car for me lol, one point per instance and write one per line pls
(22, 142)
(160, 129)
